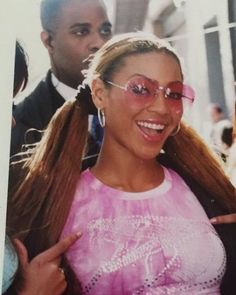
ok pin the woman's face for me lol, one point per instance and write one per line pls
(140, 119)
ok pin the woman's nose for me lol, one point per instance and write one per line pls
(159, 102)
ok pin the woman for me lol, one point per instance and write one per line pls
(144, 230)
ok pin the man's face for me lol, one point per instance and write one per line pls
(82, 28)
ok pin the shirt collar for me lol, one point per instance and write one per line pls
(64, 90)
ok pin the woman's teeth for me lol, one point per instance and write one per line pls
(153, 126)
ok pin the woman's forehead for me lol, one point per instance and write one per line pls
(151, 65)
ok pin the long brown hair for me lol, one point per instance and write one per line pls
(52, 173)
(195, 159)
(234, 121)
(44, 197)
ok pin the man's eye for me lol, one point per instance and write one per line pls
(106, 31)
(82, 32)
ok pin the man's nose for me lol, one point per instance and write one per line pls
(96, 42)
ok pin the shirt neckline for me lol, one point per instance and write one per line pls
(161, 189)
(64, 90)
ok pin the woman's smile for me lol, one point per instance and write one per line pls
(152, 131)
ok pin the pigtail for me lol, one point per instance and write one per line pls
(194, 158)
(234, 123)
(44, 198)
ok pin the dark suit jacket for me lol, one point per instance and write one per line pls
(35, 111)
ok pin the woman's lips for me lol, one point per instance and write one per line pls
(151, 131)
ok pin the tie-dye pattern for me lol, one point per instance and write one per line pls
(155, 242)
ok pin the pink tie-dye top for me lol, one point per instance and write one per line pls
(154, 242)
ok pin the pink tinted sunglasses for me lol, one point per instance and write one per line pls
(142, 90)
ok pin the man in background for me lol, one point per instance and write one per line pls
(219, 123)
(72, 31)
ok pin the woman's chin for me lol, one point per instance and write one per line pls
(147, 154)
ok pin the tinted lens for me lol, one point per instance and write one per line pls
(177, 89)
(141, 90)
(188, 92)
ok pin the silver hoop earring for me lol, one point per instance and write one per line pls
(101, 118)
(176, 131)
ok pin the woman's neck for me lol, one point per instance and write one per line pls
(119, 168)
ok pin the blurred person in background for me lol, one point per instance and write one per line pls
(21, 75)
(231, 171)
(219, 122)
(213, 130)
(227, 141)
(231, 163)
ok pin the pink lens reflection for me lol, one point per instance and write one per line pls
(143, 91)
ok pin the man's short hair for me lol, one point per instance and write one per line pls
(49, 13)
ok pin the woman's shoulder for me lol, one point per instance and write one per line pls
(170, 172)
(209, 203)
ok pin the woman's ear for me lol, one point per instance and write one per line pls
(99, 93)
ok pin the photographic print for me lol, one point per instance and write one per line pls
(118, 158)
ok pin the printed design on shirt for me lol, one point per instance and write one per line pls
(145, 242)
